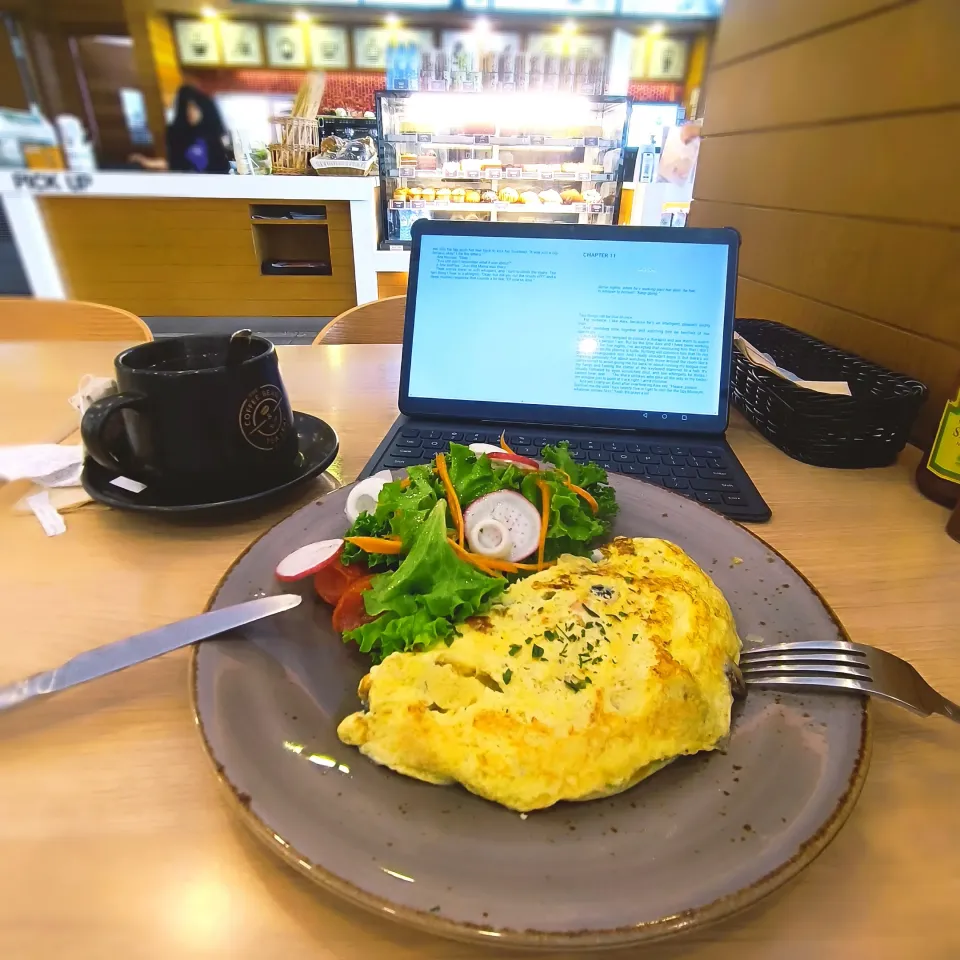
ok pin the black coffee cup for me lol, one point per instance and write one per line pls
(196, 413)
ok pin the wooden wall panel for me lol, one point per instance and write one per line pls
(910, 68)
(927, 360)
(188, 258)
(391, 285)
(829, 139)
(875, 168)
(751, 25)
(902, 275)
(12, 93)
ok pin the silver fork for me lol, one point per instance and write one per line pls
(838, 665)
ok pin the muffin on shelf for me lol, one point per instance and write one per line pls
(401, 193)
(429, 194)
(443, 194)
(530, 197)
(571, 196)
(415, 193)
(457, 194)
(488, 196)
(592, 196)
(509, 195)
(550, 196)
(472, 196)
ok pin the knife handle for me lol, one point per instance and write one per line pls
(23, 690)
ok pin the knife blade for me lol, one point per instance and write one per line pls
(143, 646)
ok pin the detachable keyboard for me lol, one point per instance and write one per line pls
(706, 472)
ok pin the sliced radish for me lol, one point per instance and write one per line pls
(516, 459)
(489, 538)
(308, 559)
(520, 517)
(479, 448)
(363, 497)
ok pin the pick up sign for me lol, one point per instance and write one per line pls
(51, 182)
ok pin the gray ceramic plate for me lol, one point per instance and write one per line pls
(698, 841)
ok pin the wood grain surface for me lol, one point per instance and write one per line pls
(117, 843)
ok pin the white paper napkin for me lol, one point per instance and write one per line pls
(760, 359)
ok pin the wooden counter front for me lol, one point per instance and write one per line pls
(192, 257)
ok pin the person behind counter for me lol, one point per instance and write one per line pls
(195, 140)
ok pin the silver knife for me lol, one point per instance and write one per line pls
(143, 646)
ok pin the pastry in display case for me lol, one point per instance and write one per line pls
(485, 156)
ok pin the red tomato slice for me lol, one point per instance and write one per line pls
(333, 580)
(515, 458)
(350, 612)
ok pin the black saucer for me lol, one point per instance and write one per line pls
(318, 448)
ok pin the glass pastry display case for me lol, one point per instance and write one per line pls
(528, 157)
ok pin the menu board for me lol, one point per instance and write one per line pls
(328, 47)
(370, 44)
(667, 59)
(593, 7)
(413, 4)
(197, 43)
(671, 8)
(241, 42)
(285, 45)
(577, 45)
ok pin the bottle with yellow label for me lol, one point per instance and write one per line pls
(938, 473)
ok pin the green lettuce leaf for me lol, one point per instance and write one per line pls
(432, 589)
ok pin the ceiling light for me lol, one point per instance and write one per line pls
(656, 28)
(301, 16)
(568, 27)
(392, 21)
(209, 12)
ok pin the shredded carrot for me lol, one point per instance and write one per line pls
(579, 491)
(472, 558)
(504, 446)
(404, 483)
(452, 500)
(544, 520)
(376, 544)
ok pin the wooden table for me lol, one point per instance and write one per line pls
(115, 842)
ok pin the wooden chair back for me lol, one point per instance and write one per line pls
(380, 321)
(30, 319)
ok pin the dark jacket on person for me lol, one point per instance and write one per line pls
(197, 148)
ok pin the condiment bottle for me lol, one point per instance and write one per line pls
(938, 473)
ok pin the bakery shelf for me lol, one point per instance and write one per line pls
(518, 141)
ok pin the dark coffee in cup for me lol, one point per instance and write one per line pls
(197, 413)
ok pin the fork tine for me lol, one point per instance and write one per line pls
(755, 657)
(751, 670)
(846, 684)
(808, 646)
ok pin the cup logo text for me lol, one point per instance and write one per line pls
(262, 420)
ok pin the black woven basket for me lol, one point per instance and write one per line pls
(867, 429)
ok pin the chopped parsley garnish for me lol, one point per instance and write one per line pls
(598, 659)
(634, 637)
(591, 612)
(536, 651)
(577, 685)
(549, 635)
(583, 658)
(563, 652)
(507, 674)
(515, 648)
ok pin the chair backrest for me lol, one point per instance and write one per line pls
(30, 319)
(380, 321)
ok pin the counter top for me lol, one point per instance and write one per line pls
(186, 185)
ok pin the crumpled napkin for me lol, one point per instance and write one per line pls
(53, 468)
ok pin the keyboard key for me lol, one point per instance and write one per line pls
(715, 463)
(675, 483)
(493, 438)
(709, 474)
(473, 438)
(680, 451)
(725, 486)
(689, 472)
(734, 500)
(672, 461)
(409, 442)
(698, 461)
(633, 469)
(398, 462)
(689, 494)
(409, 432)
(618, 467)
(659, 472)
(598, 456)
(710, 498)
(656, 481)
(578, 455)
(452, 435)
(434, 444)
(707, 451)
(648, 458)
(430, 434)
(614, 446)
(540, 442)
(526, 450)
(624, 457)
(520, 439)
(591, 445)
(659, 448)
(638, 447)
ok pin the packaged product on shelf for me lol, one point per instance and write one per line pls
(451, 168)
(488, 196)
(592, 196)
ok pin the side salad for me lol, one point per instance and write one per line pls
(425, 552)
